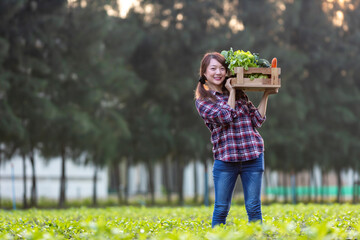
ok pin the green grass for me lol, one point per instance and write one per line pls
(280, 222)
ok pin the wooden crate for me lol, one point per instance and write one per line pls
(257, 84)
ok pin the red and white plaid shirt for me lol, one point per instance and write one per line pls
(233, 131)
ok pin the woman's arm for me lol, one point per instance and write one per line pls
(263, 103)
(232, 91)
(215, 113)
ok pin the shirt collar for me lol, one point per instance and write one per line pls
(215, 92)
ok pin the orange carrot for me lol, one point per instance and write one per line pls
(274, 63)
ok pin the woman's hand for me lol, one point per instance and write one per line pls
(271, 91)
(232, 91)
(228, 85)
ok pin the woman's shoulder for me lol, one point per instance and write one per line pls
(207, 101)
(200, 101)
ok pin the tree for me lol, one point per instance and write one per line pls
(26, 72)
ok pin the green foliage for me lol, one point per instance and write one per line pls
(244, 59)
(279, 222)
(239, 58)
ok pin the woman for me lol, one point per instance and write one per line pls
(238, 147)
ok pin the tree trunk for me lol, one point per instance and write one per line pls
(317, 187)
(338, 178)
(94, 197)
(180, 177)
(0, 178)
(322, 186)
(151, 180)
(206, 188)
(310, 181)
(328, 183)
(195, 184)
(286, 200)
(127, 175)
(315, 183)
(293, 184)
(118, 183)
(356, 193)
(24, 182)
(277, 191)
(354, 187)
(166, 179)
(33, 197)
(356, 183)
(62, 180)
(115, 174)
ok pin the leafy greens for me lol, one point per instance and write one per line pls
(244, 59)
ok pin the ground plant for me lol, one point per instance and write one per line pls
(280, 222)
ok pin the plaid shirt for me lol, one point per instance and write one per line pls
(233, 131)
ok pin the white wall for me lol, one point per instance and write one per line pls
(138, 176)
(79, 179)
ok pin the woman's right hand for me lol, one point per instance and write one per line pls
(231, 90)
(228, 85)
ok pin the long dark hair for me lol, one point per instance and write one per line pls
(201, 91)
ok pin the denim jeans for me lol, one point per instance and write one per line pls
(225, 175)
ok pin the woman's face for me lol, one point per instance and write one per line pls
(215, 74)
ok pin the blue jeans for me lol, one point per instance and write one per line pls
(225, 175)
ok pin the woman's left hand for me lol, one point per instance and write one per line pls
(271, 91)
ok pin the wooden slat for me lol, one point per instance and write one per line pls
(274, 76)
(239, 75)
(257, 81)
(258, 70)
(257, 84)
(258, 89)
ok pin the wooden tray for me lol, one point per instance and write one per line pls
(257, 84)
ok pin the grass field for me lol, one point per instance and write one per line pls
(280, 222)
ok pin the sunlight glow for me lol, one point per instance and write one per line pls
(179, 26)
(125, 5)
(179, 17)
(74, 3)
(236, 25)
(166, 12)
(216, 20)
(338, 19)
(282, 6)
(165, 23)
(343, 3)
(110, 11)
(178, 6)
(337, 8)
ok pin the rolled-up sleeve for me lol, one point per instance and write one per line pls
(256, 118)
(215, 112)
